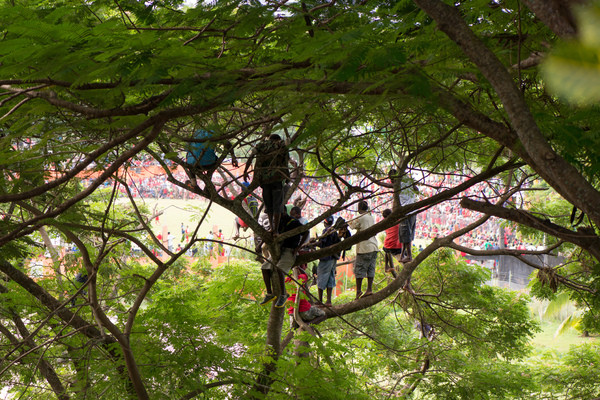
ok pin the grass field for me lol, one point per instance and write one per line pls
(189, 212)
(544, 340)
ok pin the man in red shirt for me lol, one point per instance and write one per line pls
(160, 239)
(391, 245)
(309, 313)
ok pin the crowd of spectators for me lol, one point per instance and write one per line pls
(436, 221)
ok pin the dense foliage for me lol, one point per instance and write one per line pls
(428, 87)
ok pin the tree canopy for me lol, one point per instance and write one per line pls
(425, 87)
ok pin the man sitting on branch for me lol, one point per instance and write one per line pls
(289, 250)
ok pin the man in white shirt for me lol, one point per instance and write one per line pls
(170, 239)
(208, 245)
(366, 251)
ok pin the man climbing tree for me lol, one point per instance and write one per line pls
(201, 156)
(271, 173)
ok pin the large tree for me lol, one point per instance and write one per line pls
(425, 87)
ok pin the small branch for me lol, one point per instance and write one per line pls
(533, 60)
(15, 108)
(204, 388)
(201, 32)
(123, 12)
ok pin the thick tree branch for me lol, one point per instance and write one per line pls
(588, 241)
(556, 15)
(144, 107)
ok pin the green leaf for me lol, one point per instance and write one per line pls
(557, 305)
(572, 321)
(573, 69)
(574, 74)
